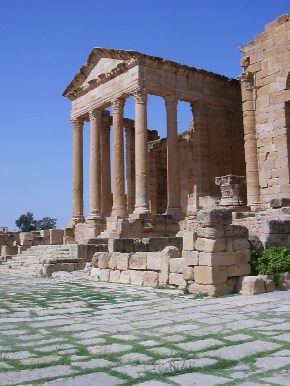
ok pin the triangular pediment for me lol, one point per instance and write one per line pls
(100, 63)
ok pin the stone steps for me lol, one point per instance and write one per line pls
(27, 262)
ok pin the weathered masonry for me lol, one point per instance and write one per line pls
(184, 210)
(212, 147)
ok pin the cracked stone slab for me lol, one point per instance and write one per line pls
(199, 344)
(198, 379)
(242, 350)
(101, 379)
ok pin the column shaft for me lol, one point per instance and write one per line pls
(173, 181)
(251, 157)
(130, 168)
(106, 169)
(119, 202)
(95, 164)
(77, 215)
(141, 153)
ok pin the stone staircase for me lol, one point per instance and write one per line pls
(28, 261)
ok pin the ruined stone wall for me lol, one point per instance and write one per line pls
(224, 151)
(209, 257)
(266, 61)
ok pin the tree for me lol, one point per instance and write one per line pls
(27, 223)
(46, 223)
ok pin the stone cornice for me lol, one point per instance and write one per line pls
(132, 59)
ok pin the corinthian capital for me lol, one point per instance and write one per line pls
(247, 81)
(77, 123)
(118, 105)
(95, 115)
(140, 95)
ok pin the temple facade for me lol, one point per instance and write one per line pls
(174, 176)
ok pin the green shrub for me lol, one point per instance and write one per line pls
(270, 261)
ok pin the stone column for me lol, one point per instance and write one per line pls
(173, 181)
(130, 167)
(141, 153)
(78, 203)
(95, 164)
(106, 168)
(252, 168)
(201, 156)
(119, 202)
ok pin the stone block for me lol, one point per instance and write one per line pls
(154, 261)
(115, 276)
(8, 251)
(136, 277)
(177, 264)
(239, 243)
(279, 202)
(125, 277)
(156, 244)
(56, 236)
(171, 252)
(123, 261)
(236, 231)
(190, 257)
(210, 275)
(150, 279)
(243, 256)
(188, 240)
(102, 260)
(26, 238)
(213, 217)
(105, 275)
(240, 269)
(188, 273)
(114, 260)
(217, 258)
(251, 285)
(269, 282)
(138, 261)
(210, 245)
(208, 290)
(177, 279)
(211, 233)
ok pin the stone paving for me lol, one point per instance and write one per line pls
(66, 331)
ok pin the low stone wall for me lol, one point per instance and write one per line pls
(215, 254)
(44, 237)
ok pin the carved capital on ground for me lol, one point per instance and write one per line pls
(140, 95)
(230, 189)
(118, 105)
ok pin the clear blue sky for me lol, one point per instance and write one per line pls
(44, 42)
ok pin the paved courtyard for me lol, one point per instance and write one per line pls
(66, 331)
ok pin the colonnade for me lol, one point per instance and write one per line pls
(137, 163)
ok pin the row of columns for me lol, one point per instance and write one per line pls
(136, 154)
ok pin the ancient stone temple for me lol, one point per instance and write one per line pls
(184, 210)
(175, 176)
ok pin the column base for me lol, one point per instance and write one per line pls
(119, 212)
(174, 212)
(93, 218)
(141, 210)
(76, 220)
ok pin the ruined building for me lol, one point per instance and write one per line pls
(181, 210)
